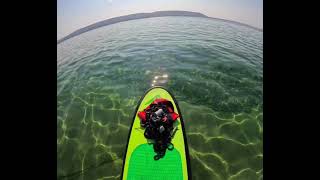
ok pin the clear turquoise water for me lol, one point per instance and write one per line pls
(214, 69)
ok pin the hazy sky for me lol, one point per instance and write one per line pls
(75, 14)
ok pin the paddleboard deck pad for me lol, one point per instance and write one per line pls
(139, 162)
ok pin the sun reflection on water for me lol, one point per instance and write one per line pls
(160, 80)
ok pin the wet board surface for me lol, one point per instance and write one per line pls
(139, 160)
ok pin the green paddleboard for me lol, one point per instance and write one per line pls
(139, 163)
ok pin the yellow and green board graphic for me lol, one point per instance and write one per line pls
(139, 160)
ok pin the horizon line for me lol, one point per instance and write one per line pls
(200, 15)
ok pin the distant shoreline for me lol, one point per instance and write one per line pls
(143, 16)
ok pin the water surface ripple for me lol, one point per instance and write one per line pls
(214, 68)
